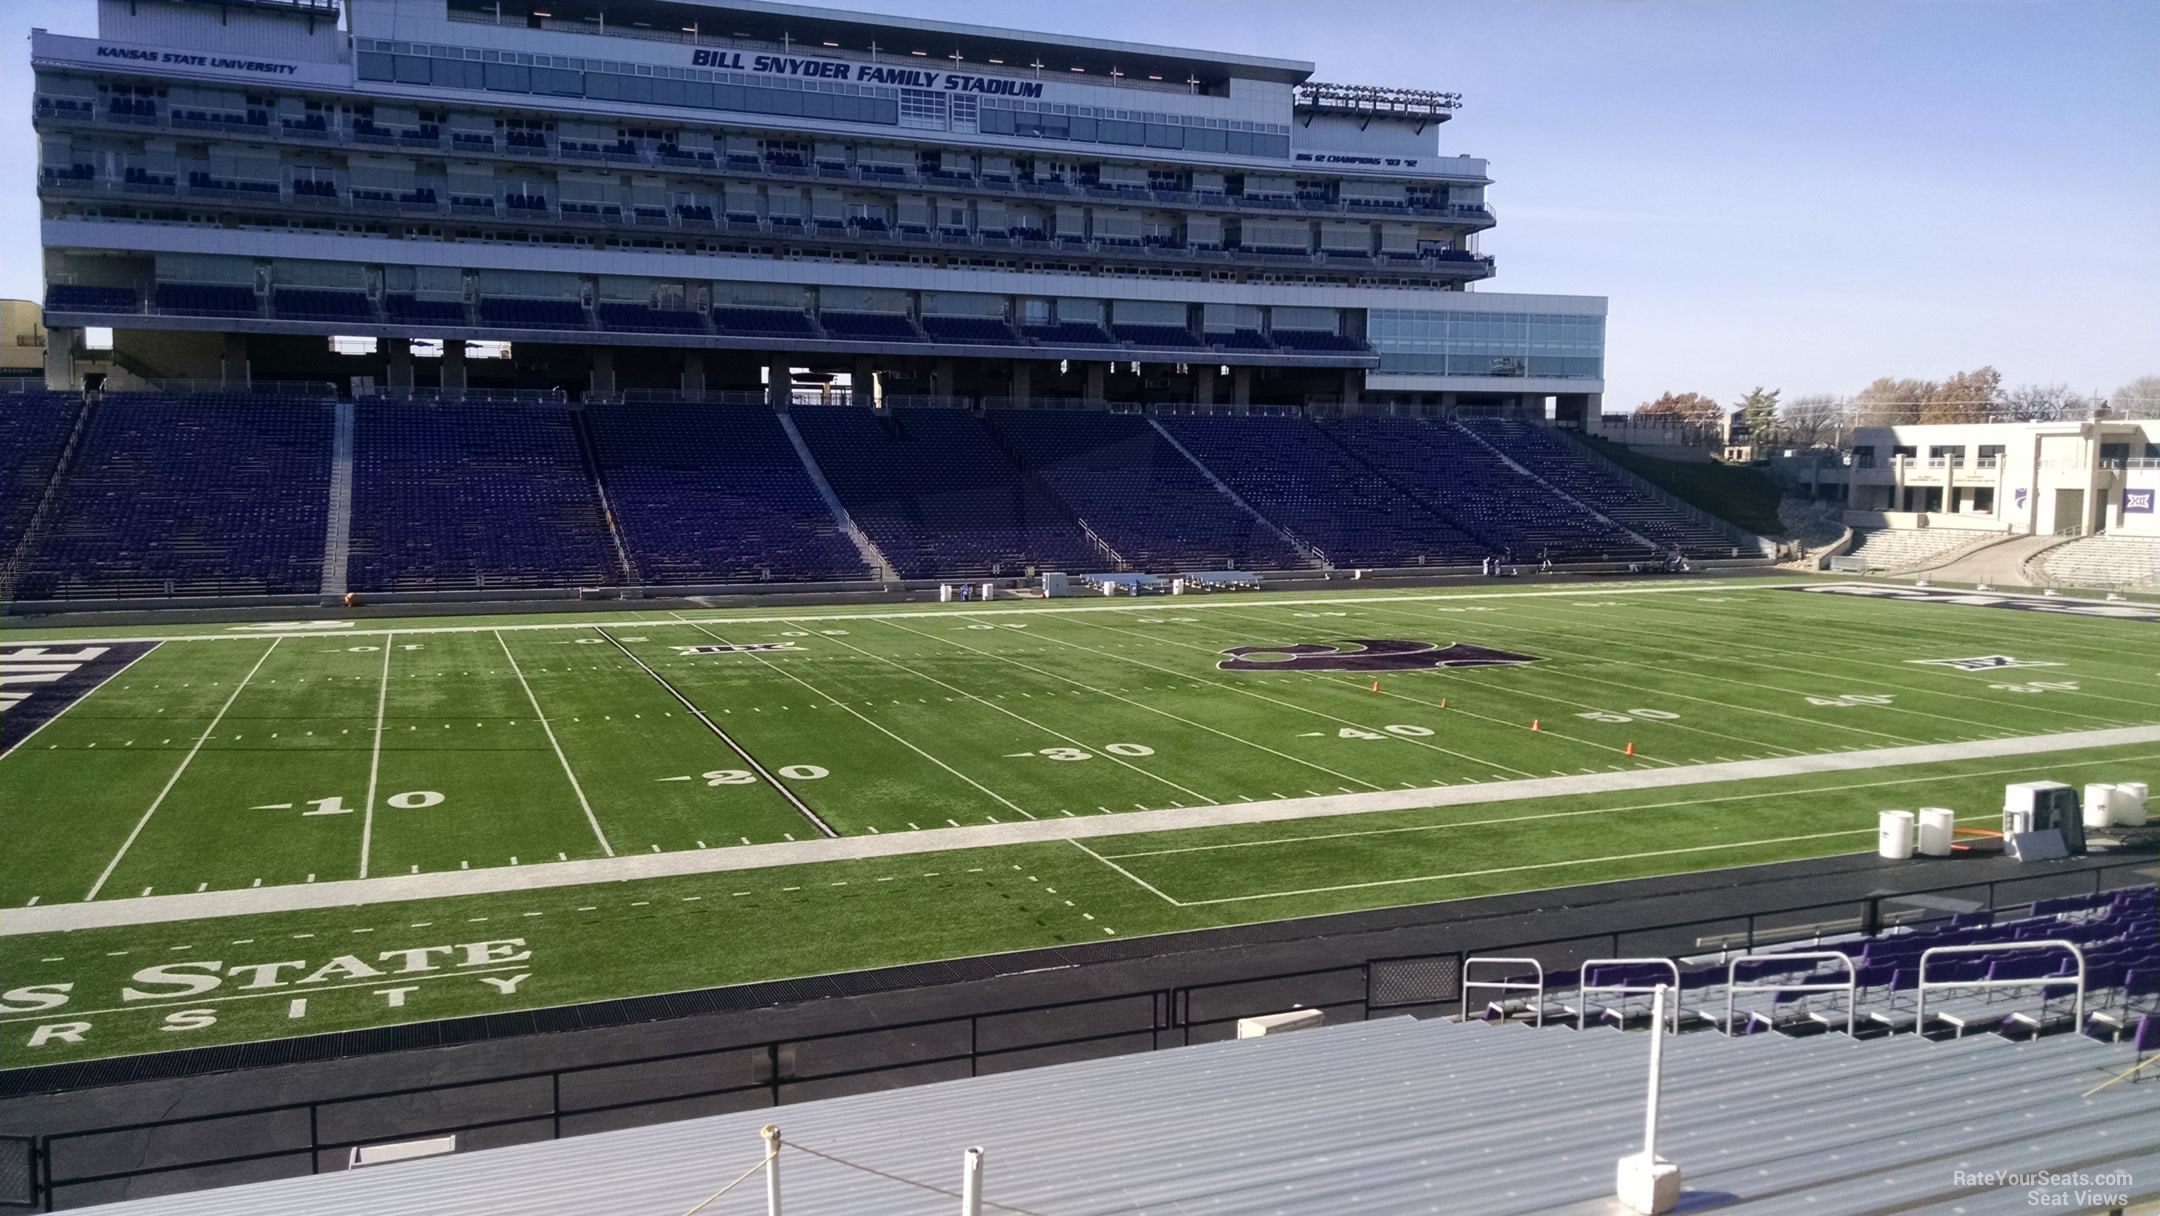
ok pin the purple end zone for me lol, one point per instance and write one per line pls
(38, 682)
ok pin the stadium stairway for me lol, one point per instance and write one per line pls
(39, 436)
(1556, 491)
(1312, 556)
(871, 555)
(589, 455)
(337, 531)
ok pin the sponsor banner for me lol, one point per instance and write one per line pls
(746, 647)
(1370, 654)
(1984, 599)
(37, 682)
(2139, 502)
(864, 73)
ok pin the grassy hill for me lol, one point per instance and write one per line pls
(1743, 495)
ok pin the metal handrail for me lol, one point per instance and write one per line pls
(1851, 986)
(1921, 989)
(1504, 985)
(1584, 989)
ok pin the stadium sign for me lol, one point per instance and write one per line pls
(37, 682)
(183, 59)
(2139, 502)
(1374, 654)
(1982, 599)
(390, 976)
(864, 73)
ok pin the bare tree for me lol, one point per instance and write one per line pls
(2138, 399)
(1815, 419)
(2043, 403)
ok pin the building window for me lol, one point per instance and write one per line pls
(922, 109)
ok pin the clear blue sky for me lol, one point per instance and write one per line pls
(1803, 195)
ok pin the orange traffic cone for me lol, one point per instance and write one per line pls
(1630, 748)
(1534, 725)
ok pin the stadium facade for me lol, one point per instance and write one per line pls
(677, 196)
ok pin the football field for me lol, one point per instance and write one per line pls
(223, 832)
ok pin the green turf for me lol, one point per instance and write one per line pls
(916, 717)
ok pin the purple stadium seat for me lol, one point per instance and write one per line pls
(716, 494)
(190, 496)
(1141, 495)
(1290, 472)
(467, 495)
(938, 497)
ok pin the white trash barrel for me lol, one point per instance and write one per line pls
(1894, 835)
(2099, 804)
(1938, 828)
(2130, 804)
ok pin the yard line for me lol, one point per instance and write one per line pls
(801, 807)
(1055, 734)
(11, 747)
(1305, 599)
(872, 723)
(1247, 692)
(1542, 695)
(1141, 705)
(541, 714)
(1542, 865)
(1751, 709)
(1833, 654)
(382, 701)
(1144, 884)
(174, 780)
(491, 880)
(1677, 803)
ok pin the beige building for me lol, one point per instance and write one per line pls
(2070, 478)
(22, 338)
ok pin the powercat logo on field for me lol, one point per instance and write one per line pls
(37, 682)
(1373, 654)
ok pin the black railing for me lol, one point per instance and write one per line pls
(572, 1100)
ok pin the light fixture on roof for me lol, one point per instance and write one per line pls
(1154, 78)
(830, 44)
(1079, 69)
(920, 54)
(999, 62)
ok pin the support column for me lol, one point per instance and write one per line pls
(941, 378)
(233, 366)
(398, 375)
(1241, 386)
(1204, 385)
(453, 368)
(603, 370)
(779, 385)
(1353, 382)
(1097, 373)
(863, 381)
(60, 347)
(1022, 373)
(693, 373)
